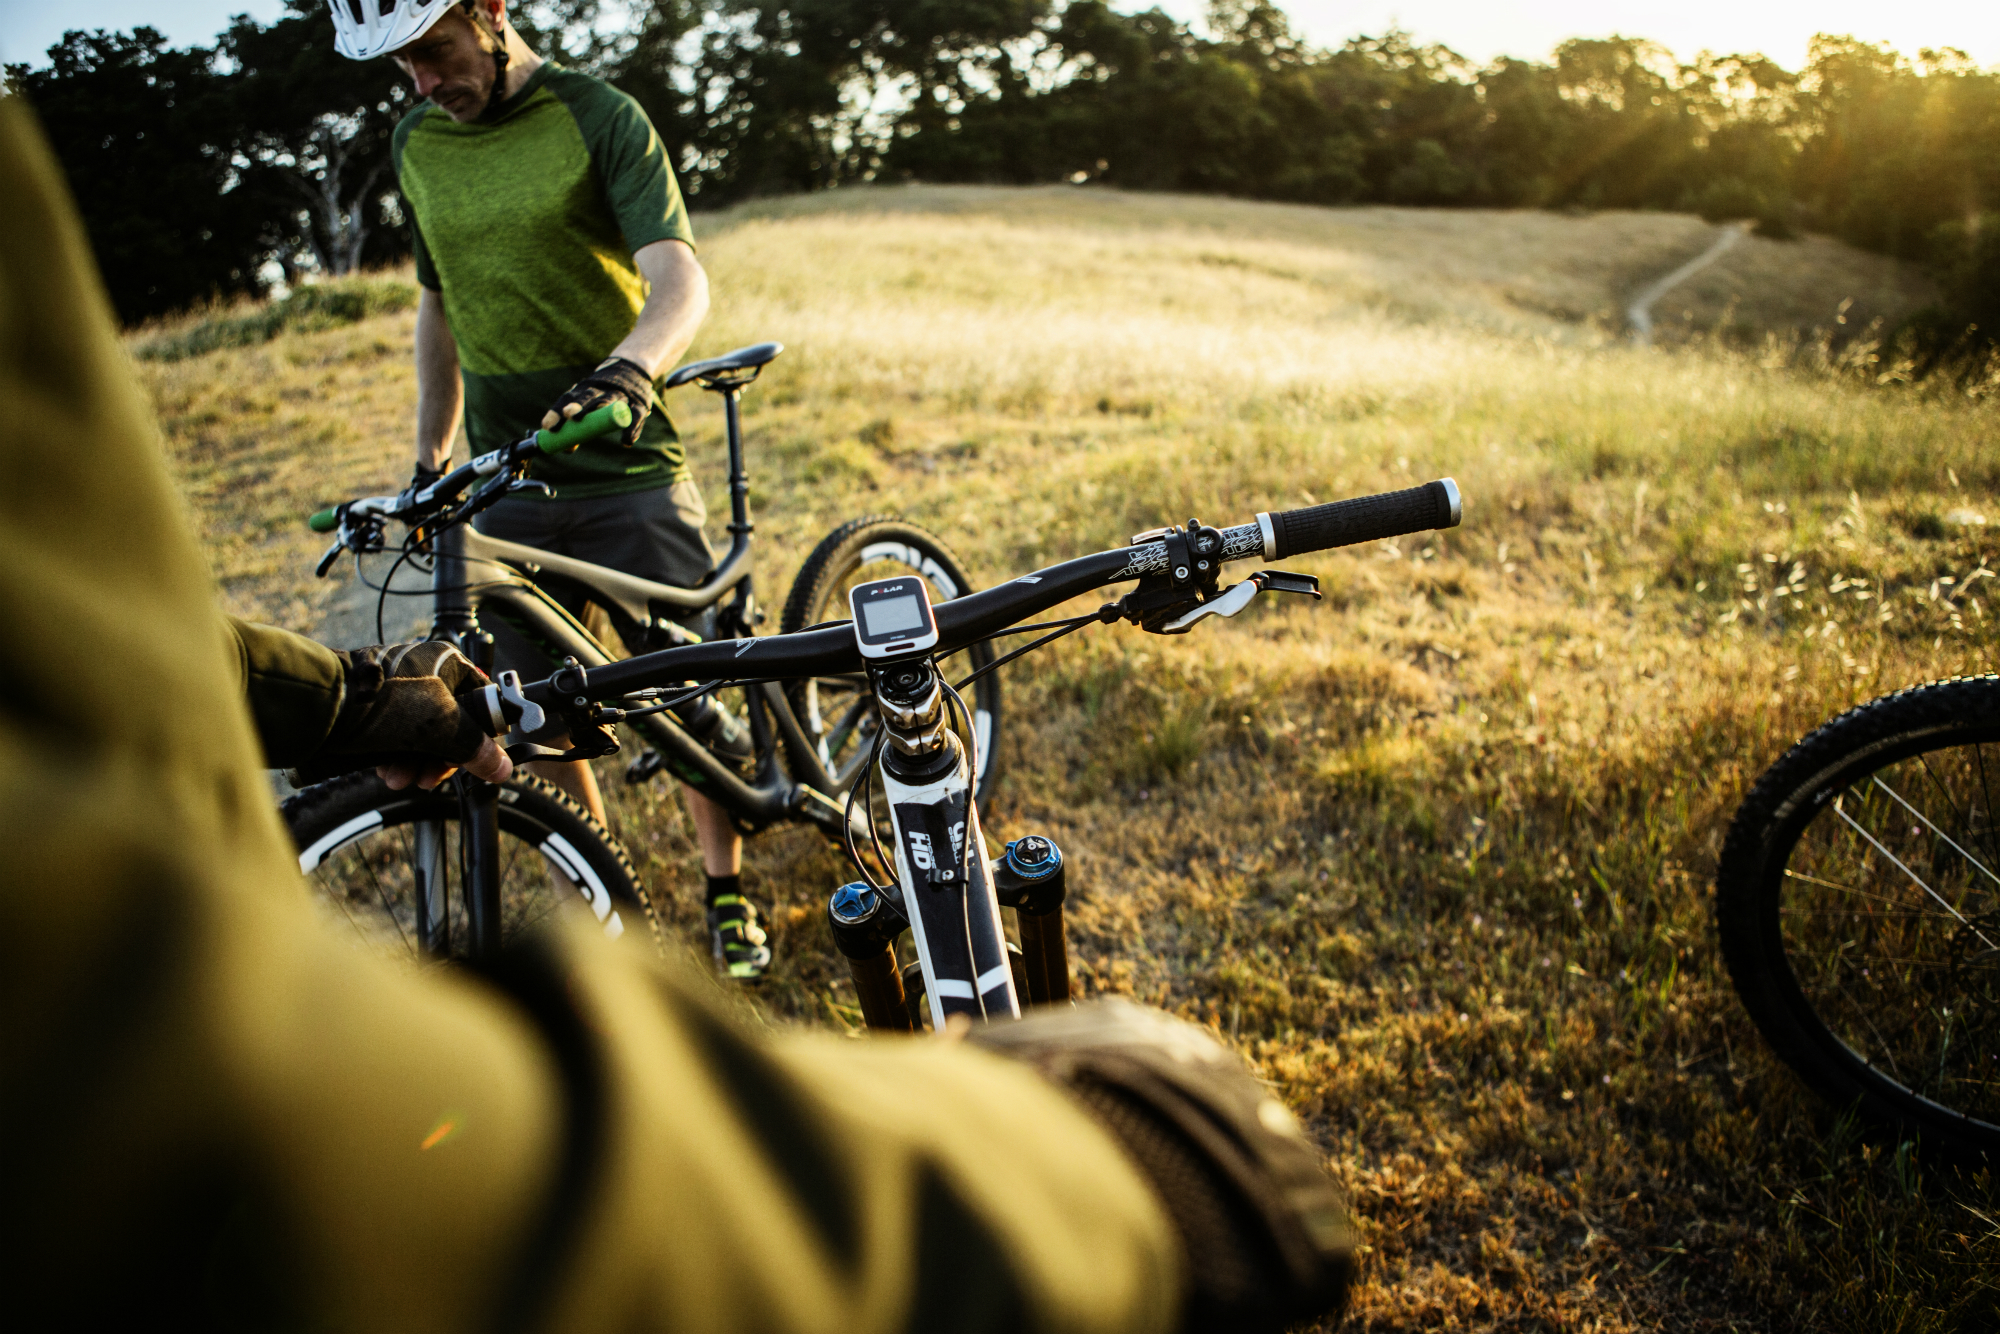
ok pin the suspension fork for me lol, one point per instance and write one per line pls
(455, 620)
(945, 887)
(1031, 878)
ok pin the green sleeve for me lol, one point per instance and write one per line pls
(292, 684)
(427, 274)
(265, 1127)
(631, 161)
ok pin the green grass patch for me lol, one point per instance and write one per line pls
(310, 309)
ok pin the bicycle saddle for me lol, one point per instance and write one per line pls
(731, 370)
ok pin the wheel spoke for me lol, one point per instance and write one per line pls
(1949, 841)
(1986, 792)
(382, 894)
(1914, 877)
(372, 875)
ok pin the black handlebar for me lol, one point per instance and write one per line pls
(965, 621)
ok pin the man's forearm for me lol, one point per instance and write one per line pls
(674, 309)
(440, 393)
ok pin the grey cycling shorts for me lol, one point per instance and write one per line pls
(654, 534)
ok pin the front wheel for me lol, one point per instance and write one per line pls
(838, 712)
(1858, 904)
(375, 858)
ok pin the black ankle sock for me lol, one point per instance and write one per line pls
(718, 885)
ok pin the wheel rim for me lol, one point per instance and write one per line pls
(365, 874)
(838, 711)
(1889, 913)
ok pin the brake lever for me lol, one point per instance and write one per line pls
(1238, 597)
(1285, 581)
(522, 752)
(512, 713)
(509, 710)
(331, 555)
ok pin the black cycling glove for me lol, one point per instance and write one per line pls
(1265, 1233)
(420, 477)
(401, 706)
(616, 378)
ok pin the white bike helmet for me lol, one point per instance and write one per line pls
(365, 29)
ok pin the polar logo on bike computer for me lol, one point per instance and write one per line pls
(892, 617)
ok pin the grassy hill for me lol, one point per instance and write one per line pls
(1434, 853)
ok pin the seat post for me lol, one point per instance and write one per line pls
(739, 479)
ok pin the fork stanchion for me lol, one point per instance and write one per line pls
(1030, 878)
(879, 985)
(1045, 951)
(865, 925)
(480, 831)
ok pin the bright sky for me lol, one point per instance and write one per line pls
(30, 27)
(1479, 29)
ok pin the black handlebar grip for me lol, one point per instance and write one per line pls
(1342, 523)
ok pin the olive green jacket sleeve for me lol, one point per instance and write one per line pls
(293, 685)
(215, 1115)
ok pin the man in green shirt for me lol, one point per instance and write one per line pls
(558, 273)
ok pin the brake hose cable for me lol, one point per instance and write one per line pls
(1069, 627)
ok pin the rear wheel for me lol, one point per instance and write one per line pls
(838, 712)
(372, 856)
(1858, 904)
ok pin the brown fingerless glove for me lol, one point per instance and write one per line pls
(1264, 1231)
(614, 379)
(401, 706)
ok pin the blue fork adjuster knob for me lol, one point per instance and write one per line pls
(1030, 876)
(862, 920)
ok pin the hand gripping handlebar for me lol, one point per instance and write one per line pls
(603, 421)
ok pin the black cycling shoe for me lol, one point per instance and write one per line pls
(737, 938)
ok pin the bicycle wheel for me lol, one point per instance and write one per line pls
(365, 850)
(838, 712)
(1858, 903)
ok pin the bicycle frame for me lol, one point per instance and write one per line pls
(474, 573)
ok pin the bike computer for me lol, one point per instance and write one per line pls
(892, 617)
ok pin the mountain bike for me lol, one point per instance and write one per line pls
(937, 881)
(387, 863)
(1858, 907)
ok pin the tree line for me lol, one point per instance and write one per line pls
(202, 171)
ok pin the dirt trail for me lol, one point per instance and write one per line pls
(1640, 313)
(349, 618)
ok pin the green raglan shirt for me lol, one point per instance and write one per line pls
(526, 224)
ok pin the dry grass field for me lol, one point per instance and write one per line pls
(1433, 853)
